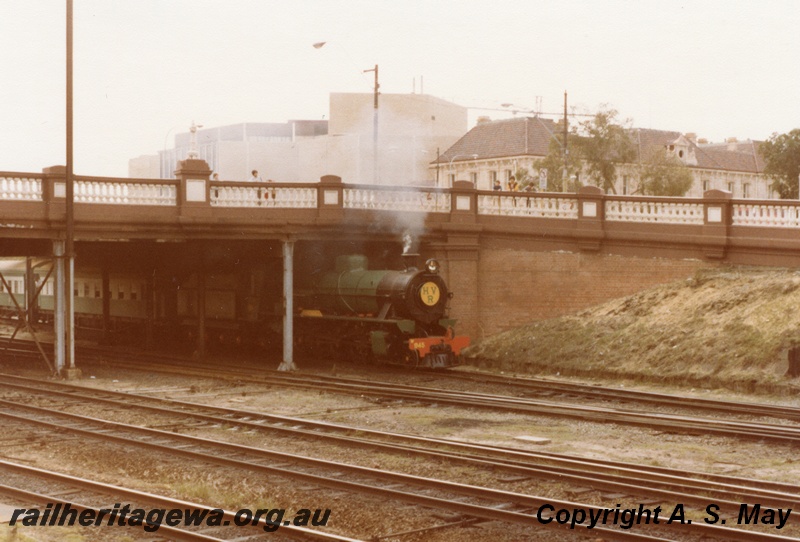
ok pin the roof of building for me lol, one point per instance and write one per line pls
(531, 136)
(527, 136)
(736, 156)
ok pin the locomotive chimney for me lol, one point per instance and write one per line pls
(410, 256)
(411, 260)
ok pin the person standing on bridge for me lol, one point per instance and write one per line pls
(254, 178)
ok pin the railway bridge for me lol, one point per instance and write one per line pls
(509, 257)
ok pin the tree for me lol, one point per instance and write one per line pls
(604, 143)
(782, 162)
(553, 164)
(663, 174)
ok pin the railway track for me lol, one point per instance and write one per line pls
(526, 388)
(35, 487)
(665, 484)
(544, 388)
(665, 422)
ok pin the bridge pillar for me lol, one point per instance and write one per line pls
(330, 198)
(591, 215)
(462, 250)
(194, 192)
(54, 192)
(716, 223)
(288, 307)
(59, 308)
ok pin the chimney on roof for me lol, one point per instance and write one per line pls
(691, 136)
(732, 143)
(483, 119)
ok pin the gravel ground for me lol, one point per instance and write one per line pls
(368, 517)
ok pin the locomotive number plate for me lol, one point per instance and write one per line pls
(429, 293)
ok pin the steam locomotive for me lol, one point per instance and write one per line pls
(390, 316)
(351, 312)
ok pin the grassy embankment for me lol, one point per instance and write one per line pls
(727, 327)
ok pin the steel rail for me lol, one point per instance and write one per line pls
(636, 479)
(666, 422)
(152, 499)
(177, 444)
(587, 390)
(536, 384)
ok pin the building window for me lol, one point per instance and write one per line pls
(508, 175)
(746, 190)
(473, 177)
(492, 177)
(730, 187)
(706, 185)
(451, 179)
(624, 185)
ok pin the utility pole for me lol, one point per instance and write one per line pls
(566, 150)
(69, 305)
(375, 125)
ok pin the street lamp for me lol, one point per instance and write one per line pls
(193, 154)
(320, 45)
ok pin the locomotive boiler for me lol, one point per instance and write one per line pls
(387, 316)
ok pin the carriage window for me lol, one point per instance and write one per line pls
(86, 289)
(120, 292)
(134, 291)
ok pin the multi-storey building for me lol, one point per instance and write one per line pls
(496, 150)
(392, 144)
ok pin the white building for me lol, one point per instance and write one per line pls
(411, 129)
(498, 149)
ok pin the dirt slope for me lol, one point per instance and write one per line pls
(729, 327)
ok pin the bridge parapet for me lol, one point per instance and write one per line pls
(769, 214)
(529, 205)
(389, 198)
(293, 196)
(33, 204)
(654, 210)
(21, 186)
(103, 191)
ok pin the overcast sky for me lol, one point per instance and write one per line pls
(145, 69)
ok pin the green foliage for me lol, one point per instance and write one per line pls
(524, 178)
(553, 163)
(782, 157)
(604, 143)
(663, 174)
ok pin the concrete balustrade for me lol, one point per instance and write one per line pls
(713, 227)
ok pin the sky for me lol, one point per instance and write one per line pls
(144, 70)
